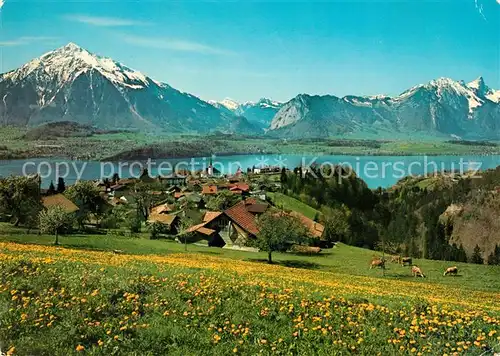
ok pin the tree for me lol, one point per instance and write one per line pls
(52, 189)
(20, 199)
(283, 176)
(61, 185)
(54, 220)
(115, 179)
(494, 257)
(134, 223)
(336, 221)
(184, 224)
(278, 231)
(225, 199)
(88, 199)
(476, 256)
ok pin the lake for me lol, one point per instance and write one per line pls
(377, 171)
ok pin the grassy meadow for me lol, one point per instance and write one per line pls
(289, 203)
(155, 298)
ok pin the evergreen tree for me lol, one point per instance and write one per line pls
(61, 185)
(52, 189)
(283, 177)
(494, 257)
(476, 256)
(461, 255)
(115, 179)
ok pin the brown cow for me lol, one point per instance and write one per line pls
(396, 259)
(417, 272)
(406, 261)
(379, 262)
(451, 270)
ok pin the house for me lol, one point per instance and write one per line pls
(236, 224)
(209, 190)
(59, 200)
(171, 221)
(316, 230)
(200, 232)
(240, 188)
(163, 209)
(175, 179)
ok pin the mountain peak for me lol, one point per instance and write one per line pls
(71, 46)
(478, 85)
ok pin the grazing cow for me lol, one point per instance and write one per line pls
(451, 271)
(396, 259)
(406, 261)
(377, 263)
(417, 272)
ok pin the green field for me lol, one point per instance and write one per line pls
(155, 299)
(342, 259)
(288, 203)
(131, 145)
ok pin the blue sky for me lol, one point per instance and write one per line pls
(252, 49)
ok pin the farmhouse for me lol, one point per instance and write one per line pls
(59, 200)
(236, 224)
(171, 221)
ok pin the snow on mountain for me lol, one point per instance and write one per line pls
(481, 89)
(259, 113)
(442, 106)
(72, 84)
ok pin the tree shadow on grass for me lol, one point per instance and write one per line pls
(288, 263)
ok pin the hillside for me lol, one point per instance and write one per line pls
(72, 84)
(102, 302)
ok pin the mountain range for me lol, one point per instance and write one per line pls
(72, 84)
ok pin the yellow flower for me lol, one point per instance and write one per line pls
(80, 348)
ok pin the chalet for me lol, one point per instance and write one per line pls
(240, 188)
(201, 232)
(59, 200)
(171, 221)
(163, 209)
(209, 190)
(236, 224)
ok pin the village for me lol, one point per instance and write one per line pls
(204, 207)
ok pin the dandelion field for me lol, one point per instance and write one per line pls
(57, 301)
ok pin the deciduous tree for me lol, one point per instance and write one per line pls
(278, 231)
(54, 220)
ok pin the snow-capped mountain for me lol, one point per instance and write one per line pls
(72, 84)
(441, 107)
(260, 113)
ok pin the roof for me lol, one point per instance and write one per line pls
(166, 219)
(59, 200)
(210, 215)
(162, 209)
(257, 208)
(195, 227)
(315, 228)
(205, 231)
(241, 216)
(209, 189)
(240, 186)
(178, 195)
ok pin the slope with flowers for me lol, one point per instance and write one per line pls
(63, 301)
